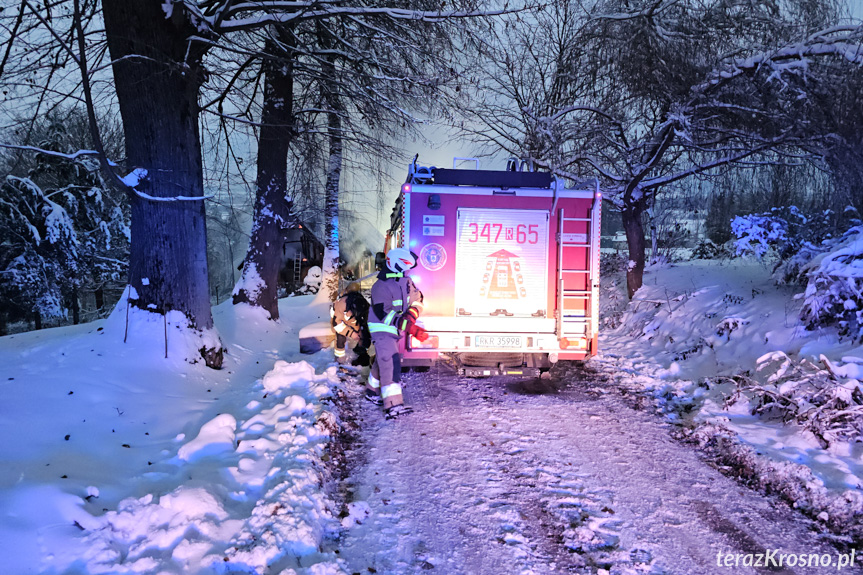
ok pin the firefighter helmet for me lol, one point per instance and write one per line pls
(399, 260)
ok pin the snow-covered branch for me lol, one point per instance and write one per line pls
(134, 178)
(286, 12)
(842, 41)
(74, 156)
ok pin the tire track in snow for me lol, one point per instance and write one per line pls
(504, 476)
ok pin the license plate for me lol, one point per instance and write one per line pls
(497, 341)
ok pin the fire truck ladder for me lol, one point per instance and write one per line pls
(575, 322)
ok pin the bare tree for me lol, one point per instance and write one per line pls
(643, 94)
(335, 110)
(158, 72)
(368, 66)
(158, 51)
(273, 206)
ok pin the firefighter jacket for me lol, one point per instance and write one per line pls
(393, 296)
(345, 322)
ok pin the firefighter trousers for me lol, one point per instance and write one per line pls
(385, 376)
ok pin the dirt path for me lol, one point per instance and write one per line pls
(499, 476)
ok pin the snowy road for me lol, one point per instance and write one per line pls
(498, 476)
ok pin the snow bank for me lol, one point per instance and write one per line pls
(253, 497)
(156, 336)
(215, 438)
(721, 350)
(120, 460)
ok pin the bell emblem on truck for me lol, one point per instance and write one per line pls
(501, 278)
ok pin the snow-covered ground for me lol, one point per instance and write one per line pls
(721, 348)
(507, 476)
(118, 460)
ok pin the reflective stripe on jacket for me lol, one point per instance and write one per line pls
(392, 295)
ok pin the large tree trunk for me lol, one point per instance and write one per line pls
(634, 229)
(259, 284)
(331, 267)
(846, 171)
(76, 307)
(158, 73)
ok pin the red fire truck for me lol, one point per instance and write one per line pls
(508, 262)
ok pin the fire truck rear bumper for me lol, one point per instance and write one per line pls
(473, 371)
(470, 345)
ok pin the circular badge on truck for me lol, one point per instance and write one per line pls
(433, 257)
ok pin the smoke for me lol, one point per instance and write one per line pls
(358, 239)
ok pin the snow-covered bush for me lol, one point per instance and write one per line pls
(63, 233)
(818, 398)
(707, 250)
(40, 256)
(834, 290)
(757, 233)
(611, 263)
(312, 281)
(787, 236)
(781, 231)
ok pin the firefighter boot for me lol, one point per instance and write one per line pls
(373, 397)
(397, 411)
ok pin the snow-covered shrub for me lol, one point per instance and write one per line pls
(781, 231)
(757, 234)
(786, 235)
(834, 290)
(40, 257)
(818, 398)
(707, 250)
(65, 234)
(611, 263)
(312, 281)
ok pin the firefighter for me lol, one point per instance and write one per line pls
(349, 318)
(396, 305)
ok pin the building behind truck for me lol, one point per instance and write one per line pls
(508, 262)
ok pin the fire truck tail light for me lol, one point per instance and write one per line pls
(430, 343)
(577, 343)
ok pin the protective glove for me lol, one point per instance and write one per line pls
(408, 318)
(417, 332)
